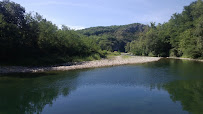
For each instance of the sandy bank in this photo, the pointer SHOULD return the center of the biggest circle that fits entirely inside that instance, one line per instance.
(118, 60)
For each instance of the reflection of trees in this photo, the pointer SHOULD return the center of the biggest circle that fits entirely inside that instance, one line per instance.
(31, 95)
(176, 67)
(188, 90)
(189, 93)
(18, 95)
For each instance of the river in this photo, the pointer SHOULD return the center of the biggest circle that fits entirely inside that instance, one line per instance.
(167, 86)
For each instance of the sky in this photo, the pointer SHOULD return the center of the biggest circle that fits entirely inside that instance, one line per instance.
(79, 14)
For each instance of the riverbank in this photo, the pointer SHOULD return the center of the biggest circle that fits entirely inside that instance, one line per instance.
(185, 59)
(114, 61)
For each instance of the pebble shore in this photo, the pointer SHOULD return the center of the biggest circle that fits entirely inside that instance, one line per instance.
(115, 61)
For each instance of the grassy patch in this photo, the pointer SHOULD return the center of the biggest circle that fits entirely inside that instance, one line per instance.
(113, 54)
(126, 56)
(88, 58)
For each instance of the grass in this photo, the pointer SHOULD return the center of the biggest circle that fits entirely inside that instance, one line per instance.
(125, 56)
(113, 54)
(88, 58)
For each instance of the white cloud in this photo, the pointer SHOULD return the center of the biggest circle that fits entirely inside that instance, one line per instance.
(76, 27)
(73, 27)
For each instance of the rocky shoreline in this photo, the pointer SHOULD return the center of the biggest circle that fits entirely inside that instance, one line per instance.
(115, 61)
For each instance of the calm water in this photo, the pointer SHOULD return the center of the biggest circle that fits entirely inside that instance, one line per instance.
(167, 86)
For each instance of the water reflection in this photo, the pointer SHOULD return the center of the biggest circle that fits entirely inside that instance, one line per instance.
(189, 93)
(28, 95)
(167, 86)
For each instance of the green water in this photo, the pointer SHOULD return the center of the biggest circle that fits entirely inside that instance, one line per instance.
(164, 87)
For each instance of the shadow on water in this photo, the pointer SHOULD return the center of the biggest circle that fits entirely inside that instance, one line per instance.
(27, 75)
(179, 68)
(187, 86)
(189, 93)
(29, 93)
(179, 79)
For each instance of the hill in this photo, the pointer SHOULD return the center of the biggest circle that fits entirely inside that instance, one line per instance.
(114, 38)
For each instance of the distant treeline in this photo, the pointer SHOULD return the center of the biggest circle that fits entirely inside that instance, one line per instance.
(30, 37)
(182, 36)
(114, 38)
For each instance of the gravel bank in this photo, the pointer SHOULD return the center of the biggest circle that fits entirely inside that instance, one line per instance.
(118, 60)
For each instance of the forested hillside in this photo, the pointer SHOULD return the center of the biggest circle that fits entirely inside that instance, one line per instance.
(182, 36)
(26, 37)
(114, 38)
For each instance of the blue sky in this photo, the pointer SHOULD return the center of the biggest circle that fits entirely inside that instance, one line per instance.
(80, 14)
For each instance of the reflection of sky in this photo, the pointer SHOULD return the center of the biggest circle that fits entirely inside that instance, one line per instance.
(114, 99)
(87, 13)
(153, 88)
(156, 87)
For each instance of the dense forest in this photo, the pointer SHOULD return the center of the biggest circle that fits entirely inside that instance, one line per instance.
(114, 38)
(26, 37)
(182, 36)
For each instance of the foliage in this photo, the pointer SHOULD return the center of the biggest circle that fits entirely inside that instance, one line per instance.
(112, 54)
(26, 37)
(29, 38)
(181, 36)
(114, 38)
